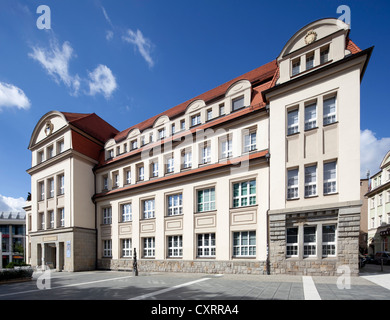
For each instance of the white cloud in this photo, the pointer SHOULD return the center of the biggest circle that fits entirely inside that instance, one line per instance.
(102, 81)
(56, 62)
(106, 16)
(11, 204)
(372, 152)
(109, 35)
(12, 96)
(143, 45)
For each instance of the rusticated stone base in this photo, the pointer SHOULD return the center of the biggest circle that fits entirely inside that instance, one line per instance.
(210, 267)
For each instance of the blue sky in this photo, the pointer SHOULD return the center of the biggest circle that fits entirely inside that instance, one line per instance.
(127, 60)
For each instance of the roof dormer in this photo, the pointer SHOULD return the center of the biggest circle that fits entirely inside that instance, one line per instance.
(315, 45)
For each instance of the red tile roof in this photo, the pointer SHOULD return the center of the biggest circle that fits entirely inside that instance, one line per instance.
(258, 75)
(92, 124)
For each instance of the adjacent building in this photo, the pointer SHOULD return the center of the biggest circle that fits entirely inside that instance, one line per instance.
(379, 209)
(13, 234)
(259, 175)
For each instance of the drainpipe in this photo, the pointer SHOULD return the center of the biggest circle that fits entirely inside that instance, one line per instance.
(269, 190)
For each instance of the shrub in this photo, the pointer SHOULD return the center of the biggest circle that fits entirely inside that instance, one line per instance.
(16, 273)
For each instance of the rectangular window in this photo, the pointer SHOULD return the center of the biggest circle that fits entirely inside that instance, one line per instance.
(161, 133)
(148, 209)
(61, 184)
(311, 116)
(205, 154)
(330, 176)
(151, 137)
(292, 122)
(105, 183)
(116, 180)
(41, 156)
(309, 61)
(221, 109)
(175, 246)
(51, 218)
(296, 67)
(309, 241)
(61, 214)
(107, 248)
(128, 176)
(41, 191)
(328, 240)
(60, 146)
(173, 129)
(330, 110)
(126, 212)
(244, 244)
(292, 242)
(311, 181)
(175, 204)
(238, 103)
(170, 166)
(107, 217)
(51, 188)
(141, 173)
(187, 159)
(206, 245)
(244, 194)
(42, 221)
(126, 248)
(110, 154)
(154, 168)
(182, 125)
(206, 200)
(50, 152)
(324, 55)
(195, 120)
(292, 184)
(149, 247)
(250, 142)
(226, 147)
(209, 114)
(133, 144)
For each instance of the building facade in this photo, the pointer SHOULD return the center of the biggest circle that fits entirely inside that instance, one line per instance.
(13, 234)
(379, 209)
(259, 175)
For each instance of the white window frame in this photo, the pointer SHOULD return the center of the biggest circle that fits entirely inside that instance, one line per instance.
(107, 215)
(141, 173)
(126, 214)
(175, 204)
(226, 144)
(310, 116)
(154, 167)
(187, 159)
(62, 217)
(330, 179)
(206, 247)
(310, 185)
(170, 164)
(310, 61)
(292, 122)
(205, 153)
(250, 141)
(195, 120)
(149, 247)
(309, 247)
(209, 194)
(127, 251)
(42, 190)
(329, 246)
(324, 54)
(161, 134)
(292, 247)
(295, 66)
(61, 184)
(51, 218)
(242, 249)
(293, 189)
(240, 101)
(244, 200)
(148, 209)
(331, 116)
(42, 221)
(175, 246)
(107, 248)
(51, 187)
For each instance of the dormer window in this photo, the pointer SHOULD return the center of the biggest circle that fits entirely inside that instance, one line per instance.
(238, 103)
(110, 154)
(161, 133)
(195, 120)
(296, 66)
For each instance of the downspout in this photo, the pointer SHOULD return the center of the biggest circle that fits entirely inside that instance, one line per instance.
(269, 190)
(96, 230)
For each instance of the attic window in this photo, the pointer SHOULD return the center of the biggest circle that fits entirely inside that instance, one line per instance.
(296, 66)
(324, 55)
(238, 103)
(310, 61)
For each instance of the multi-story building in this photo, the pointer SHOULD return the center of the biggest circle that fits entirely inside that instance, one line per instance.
(13, 233)
(379, 209)
(260, 174)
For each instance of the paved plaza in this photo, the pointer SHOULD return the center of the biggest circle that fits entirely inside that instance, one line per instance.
(372, 284)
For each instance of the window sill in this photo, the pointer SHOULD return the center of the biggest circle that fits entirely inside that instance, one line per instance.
(313, 196)
(311, 129)
(329, 124)
(292, 199)
(331, 194)
(209, 211)
(293, 134)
